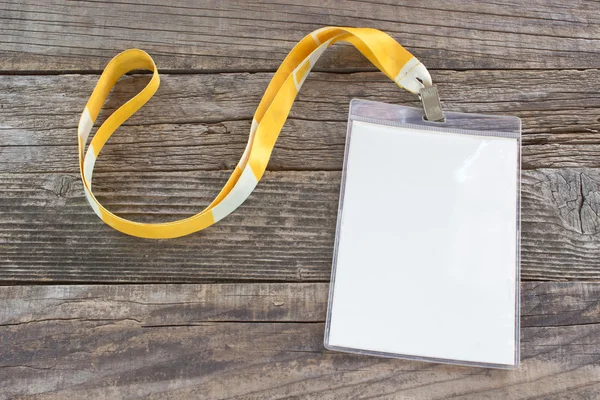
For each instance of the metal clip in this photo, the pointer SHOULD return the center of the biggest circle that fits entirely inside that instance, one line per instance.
(431, 104)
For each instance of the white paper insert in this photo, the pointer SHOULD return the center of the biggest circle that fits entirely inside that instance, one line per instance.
(427, 257)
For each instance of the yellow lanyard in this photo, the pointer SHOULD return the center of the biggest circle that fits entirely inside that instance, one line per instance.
(383, 51)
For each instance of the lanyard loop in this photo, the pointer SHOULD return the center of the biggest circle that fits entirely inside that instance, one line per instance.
(383, 51)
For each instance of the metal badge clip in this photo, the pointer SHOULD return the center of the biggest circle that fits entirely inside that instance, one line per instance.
(431, 104)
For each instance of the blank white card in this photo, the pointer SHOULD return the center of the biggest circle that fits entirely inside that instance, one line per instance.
(427, 257)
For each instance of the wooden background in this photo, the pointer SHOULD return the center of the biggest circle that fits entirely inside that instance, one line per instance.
(237, 310)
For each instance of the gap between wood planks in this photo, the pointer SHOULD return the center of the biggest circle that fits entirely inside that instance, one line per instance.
(338, 71)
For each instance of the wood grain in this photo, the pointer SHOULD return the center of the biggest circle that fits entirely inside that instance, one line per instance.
(58, 36)
(543, 304)
(283, 232)
(96, 342)
(199, 122)
(536, 59)
(179, 305)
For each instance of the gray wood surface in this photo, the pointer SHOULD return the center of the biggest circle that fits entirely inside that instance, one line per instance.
(264, 341)
(222, 35)
(257, 334)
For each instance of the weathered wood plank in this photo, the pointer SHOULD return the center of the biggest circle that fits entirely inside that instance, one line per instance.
(558, 303)
(202, 121)
(543, 304)
(176, 304)
(49, 210)
(285, 231)
(101, 342)
(229, 35)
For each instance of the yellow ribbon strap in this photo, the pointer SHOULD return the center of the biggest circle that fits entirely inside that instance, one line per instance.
(383, 51)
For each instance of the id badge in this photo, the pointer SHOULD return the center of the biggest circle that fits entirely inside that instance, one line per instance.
(426, 258)
(426, 262)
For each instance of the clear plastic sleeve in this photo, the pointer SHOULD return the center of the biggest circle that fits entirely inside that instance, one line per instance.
(426, 258)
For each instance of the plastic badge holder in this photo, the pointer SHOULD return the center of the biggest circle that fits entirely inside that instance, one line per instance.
(426, 259)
